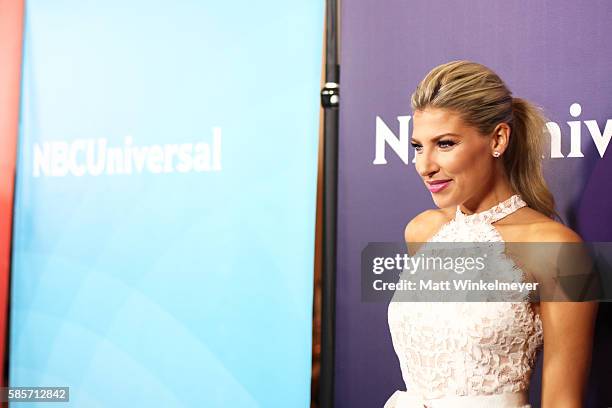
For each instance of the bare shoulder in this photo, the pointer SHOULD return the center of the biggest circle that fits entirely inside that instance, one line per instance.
(552, 231)
(426, 224)
(529, 225)
(536, 227)
(550, 251)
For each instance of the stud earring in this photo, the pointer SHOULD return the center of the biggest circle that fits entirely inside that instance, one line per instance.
(496, 154)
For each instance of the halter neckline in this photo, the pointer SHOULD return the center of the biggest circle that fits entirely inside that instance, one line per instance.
(493, 214)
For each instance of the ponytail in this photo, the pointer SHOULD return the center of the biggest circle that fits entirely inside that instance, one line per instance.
(523, 159)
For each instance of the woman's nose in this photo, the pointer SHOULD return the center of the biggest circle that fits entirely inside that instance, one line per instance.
(426, 165)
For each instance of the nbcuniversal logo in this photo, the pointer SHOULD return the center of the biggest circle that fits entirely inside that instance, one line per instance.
(400, 145)
(94, 157)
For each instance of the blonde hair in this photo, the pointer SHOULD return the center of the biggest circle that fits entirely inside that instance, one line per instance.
(482, 99)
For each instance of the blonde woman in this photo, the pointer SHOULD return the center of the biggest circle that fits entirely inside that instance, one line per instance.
(478, 151)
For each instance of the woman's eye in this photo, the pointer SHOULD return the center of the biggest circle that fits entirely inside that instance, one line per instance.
(446, 143)
(416, 146)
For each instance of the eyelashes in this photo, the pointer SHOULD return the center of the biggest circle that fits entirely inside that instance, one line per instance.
(446, 143)
(416, 146)
(442, 144)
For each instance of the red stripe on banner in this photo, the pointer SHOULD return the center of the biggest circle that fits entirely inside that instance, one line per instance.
(11, 32)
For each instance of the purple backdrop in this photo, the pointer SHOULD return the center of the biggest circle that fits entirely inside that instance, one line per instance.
(554, 53)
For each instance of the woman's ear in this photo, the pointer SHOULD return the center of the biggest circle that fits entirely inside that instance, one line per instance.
(500, 139)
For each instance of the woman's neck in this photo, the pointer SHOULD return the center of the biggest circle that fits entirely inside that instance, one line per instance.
(489, 197)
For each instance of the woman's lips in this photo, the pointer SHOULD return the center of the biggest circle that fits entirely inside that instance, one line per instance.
(438, 185)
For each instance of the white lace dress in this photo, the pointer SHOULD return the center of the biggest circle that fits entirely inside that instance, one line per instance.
(466, 354)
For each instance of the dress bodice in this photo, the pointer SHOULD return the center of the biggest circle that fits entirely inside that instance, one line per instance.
(466, 349)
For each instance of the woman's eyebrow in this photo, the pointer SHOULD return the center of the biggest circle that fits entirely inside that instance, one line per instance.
(436, 138)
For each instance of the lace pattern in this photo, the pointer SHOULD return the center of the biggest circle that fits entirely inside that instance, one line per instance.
(467, 348)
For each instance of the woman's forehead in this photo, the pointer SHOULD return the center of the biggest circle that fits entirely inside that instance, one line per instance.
(431, 122)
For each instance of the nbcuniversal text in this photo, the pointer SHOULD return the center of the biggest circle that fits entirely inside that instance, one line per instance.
(565, 141)
(96, 157)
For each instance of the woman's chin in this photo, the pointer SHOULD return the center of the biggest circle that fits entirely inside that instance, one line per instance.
(442, 201)
(439, 202)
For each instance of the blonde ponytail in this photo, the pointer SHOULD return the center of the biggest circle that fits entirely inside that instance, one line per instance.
(523, 159)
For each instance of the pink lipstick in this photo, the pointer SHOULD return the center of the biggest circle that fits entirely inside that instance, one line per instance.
(435, 186)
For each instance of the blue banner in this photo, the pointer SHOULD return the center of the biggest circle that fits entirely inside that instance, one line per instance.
(165, 202)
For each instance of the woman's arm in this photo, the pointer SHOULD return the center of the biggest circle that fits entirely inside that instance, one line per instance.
(568, 336)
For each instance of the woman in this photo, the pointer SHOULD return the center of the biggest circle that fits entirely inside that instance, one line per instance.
(478, 151)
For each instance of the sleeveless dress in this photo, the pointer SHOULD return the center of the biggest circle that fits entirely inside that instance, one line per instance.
(466, 354)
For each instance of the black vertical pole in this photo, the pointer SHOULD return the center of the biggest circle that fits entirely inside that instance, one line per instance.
(330, 100)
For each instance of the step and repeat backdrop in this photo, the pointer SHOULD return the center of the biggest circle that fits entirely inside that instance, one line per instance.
(165, 202)
(556, 54)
